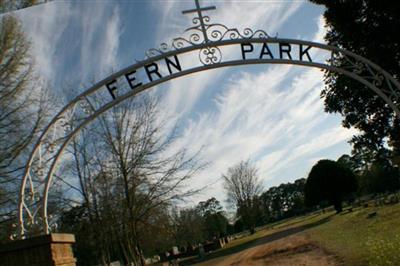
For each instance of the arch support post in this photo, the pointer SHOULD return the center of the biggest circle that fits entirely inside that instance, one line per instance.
(45, 250)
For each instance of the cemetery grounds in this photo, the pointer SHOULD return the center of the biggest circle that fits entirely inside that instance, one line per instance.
(350, 238)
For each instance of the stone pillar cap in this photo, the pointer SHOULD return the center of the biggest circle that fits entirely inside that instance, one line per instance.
(37, 241)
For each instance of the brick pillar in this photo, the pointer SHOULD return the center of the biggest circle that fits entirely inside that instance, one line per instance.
(46, 250)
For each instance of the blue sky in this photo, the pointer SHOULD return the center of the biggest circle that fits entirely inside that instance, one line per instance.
(271, 114)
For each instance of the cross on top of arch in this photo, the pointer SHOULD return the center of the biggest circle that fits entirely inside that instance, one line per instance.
(204, 32)
(199, 10)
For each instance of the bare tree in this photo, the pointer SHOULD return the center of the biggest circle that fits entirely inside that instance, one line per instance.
(23, 107)
(242, 186)
(11, 5)
(127, 172)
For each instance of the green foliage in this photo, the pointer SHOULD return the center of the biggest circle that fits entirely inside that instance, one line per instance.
(157, 233)
(238, 226)
(214, 218)
(381, 177)
(331, 181)
(351, 163)
(189, 227)
(283, 201)
(75, 221)
(368, 28)
(202, 222)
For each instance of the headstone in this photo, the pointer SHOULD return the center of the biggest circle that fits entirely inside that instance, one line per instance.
(175, 251)
(391, 199)
(156, 258)
(201, 251)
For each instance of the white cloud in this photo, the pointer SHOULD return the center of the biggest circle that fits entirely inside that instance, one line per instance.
(100, 36)
(44, 26)
(94, 42)
(183, 94)
(320, 34)
(109, 46)
(275, 117)
(272, 115)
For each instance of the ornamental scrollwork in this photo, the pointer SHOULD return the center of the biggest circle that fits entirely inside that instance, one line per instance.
(203, 32)
(210, 55)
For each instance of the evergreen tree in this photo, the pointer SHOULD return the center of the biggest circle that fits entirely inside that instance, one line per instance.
(368, 28)
(330, 181)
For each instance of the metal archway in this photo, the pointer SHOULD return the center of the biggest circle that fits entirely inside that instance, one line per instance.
(215, 46)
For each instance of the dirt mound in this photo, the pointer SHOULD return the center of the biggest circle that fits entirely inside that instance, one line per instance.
(289, 251)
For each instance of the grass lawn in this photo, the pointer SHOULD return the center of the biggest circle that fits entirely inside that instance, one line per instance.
(359, 240)
(353, 237)
(269, 232)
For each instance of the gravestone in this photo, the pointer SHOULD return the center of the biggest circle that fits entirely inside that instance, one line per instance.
(201, 251)
(175, 251)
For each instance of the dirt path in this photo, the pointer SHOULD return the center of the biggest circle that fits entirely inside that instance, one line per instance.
(288, 251)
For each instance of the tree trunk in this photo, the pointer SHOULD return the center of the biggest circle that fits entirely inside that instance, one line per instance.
(138, 254)
(338, 205)
(252, 230)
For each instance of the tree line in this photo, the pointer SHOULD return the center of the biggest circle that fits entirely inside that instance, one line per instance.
(328, 183)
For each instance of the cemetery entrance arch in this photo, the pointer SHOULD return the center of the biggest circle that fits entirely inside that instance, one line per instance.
(203, 46)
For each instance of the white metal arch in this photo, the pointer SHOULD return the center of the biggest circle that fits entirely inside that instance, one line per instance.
(208, 41)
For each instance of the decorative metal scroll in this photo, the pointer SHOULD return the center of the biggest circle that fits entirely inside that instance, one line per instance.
(208, 41)
(373, 74)
(204, 32)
